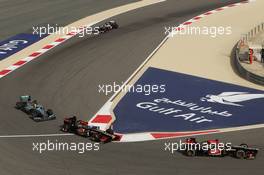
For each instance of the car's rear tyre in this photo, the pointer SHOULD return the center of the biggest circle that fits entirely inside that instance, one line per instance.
(19, 105)
(223, 153)
(49, 112)
(250, 155)
(65, 128)
(240, 154)
(34, 113)
(190, 153)
(96, 137)
(115, 26)
(110, 131)
(244, 145)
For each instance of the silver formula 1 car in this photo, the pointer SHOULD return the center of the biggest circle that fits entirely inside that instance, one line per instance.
(31, 107)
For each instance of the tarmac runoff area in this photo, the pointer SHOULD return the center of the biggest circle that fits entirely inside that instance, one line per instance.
(202, 56)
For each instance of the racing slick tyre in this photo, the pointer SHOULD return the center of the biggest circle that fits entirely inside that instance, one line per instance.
(65, 128)
(102, 29)
(115, 26)
(30, 111)
(96, 137)
(244, 145)
(19, 105)
(240, 154)
(223, 153)
(110, 131)
(190, 153)
(250, 155)
(49, 112)
(34, 113)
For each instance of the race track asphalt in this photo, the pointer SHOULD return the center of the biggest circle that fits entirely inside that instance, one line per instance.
(66, 79)
(19, 16)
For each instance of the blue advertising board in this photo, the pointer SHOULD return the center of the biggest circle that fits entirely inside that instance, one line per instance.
(188, 103)
(16, 43)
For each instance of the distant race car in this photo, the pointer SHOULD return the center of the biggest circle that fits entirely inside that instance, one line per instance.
(108, 26)
(240, 152)
(80, 127)
(37, 111)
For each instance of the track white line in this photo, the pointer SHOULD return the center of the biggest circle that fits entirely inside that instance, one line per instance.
(32, 136)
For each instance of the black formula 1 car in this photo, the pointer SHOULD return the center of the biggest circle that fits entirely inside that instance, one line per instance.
(81, 128)
(31, 107)
(193, 148)
(108, 26)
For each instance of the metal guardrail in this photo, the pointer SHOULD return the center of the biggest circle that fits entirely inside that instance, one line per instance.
(245, 73)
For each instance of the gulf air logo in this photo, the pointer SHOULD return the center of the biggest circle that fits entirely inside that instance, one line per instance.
(231, 98)
(11, 45)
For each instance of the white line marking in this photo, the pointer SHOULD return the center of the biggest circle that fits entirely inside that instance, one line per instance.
(139, 68)
(31, 136)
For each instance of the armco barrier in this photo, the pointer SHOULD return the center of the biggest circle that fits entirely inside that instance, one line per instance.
(245, 73)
